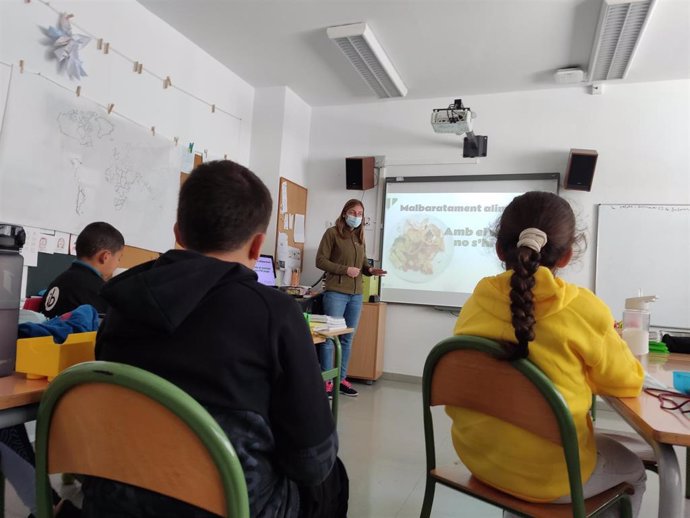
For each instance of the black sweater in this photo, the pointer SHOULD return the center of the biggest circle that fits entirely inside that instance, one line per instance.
(244, 351)
(77, 285)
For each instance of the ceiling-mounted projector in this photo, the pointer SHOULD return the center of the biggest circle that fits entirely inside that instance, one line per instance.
(458, 120)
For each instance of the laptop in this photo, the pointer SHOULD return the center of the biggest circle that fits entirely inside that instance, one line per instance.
(265, 269)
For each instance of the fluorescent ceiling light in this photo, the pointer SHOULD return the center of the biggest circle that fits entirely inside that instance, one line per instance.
(366, 54)
(621, 24)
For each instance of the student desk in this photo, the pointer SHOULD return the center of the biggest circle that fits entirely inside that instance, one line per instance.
(320, 337)
(662, 429)
(19, 399)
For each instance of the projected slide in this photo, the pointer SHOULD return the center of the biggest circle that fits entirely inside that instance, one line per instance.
(439, 243)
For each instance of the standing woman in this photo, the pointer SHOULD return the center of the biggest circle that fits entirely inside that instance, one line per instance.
(342, 255)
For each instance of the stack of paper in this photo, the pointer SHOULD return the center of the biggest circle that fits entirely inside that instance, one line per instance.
(327, 323)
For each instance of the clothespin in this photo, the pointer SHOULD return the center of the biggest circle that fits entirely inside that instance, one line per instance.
(140, 68)
(21, 66)
(110, 108)
(106, 47)
(167, 82)
(135, 67)
(78, 91)
(213, 108)
(153, 131)
(205, 153)
(191, 147)
(225, 156)
(99, 43)
(27, 1)
(177, 140)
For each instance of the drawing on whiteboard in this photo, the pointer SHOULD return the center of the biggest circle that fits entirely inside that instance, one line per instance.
(84, 126)
(92, 166)
(123, 176)
(75, 162)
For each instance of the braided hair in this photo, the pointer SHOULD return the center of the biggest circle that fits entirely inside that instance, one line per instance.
(553, 216)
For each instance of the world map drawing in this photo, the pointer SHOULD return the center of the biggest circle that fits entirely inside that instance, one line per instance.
(65, 162)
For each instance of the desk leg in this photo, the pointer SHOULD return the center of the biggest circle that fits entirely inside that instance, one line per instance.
(671, 490)
(336, 380)
(687, 472)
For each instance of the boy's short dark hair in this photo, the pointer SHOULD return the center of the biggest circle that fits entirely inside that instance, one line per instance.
(222, 204)
(98, 236)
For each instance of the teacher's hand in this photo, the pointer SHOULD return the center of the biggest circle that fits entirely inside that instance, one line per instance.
(377, 271)
(352, 272)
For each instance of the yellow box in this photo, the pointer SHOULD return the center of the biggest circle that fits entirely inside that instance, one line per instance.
(370, 286)
(41, 357)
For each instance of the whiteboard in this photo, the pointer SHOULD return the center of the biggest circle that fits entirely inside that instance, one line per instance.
(65, 162)
(645, 247)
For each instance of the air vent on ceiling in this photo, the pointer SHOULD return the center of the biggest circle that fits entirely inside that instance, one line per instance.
(621, 24)
(366, 54)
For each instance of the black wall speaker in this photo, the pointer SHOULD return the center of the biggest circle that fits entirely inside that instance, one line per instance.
(359, 172)
(580, 170)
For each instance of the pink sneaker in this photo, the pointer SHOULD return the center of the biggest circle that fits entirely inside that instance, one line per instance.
(329, 389)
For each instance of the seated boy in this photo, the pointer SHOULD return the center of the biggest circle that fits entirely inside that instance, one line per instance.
(199, 318)
(99, 248)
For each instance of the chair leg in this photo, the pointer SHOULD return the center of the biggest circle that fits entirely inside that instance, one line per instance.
(625, 507)
(2, 495)
(687, 472)
(428, 497)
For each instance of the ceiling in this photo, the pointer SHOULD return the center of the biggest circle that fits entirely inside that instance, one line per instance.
(446, 48)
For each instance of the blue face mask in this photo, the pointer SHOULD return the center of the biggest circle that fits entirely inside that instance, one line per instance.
(353, 221)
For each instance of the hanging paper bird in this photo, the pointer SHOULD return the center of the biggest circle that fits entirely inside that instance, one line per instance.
(66, 46)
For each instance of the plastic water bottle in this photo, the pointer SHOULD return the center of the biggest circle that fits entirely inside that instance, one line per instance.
(636, 319)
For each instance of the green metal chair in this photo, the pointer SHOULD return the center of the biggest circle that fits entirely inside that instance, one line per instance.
(123, 423)
(467, 371)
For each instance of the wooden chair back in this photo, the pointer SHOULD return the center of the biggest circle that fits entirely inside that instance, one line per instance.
(99, 424)
(471, 372)
(478, 381)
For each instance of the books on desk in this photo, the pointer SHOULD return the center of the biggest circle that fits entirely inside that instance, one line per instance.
(326, 323)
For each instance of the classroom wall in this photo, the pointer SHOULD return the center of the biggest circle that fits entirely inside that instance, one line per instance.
(641, 132)
(280, 143)
(142, 36)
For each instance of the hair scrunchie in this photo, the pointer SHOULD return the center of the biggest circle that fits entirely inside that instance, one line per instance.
(532, 238)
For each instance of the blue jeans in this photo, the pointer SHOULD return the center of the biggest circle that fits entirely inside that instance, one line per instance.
(337, 304)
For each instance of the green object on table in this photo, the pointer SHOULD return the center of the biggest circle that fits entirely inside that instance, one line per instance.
(658, 347)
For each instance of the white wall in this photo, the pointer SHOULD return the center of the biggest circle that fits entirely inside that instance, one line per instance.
(140, 35)
(280, 143)
(641, 132)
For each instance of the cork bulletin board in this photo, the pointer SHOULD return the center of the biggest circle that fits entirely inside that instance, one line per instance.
(292, 214)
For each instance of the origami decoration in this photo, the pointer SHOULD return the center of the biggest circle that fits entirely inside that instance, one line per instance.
(66, 46)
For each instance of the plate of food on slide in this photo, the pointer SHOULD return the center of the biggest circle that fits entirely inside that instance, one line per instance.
(421, 250)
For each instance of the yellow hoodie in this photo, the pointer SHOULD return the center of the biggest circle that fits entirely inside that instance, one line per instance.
(577, 347)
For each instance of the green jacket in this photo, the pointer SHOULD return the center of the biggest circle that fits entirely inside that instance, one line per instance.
(335, 255)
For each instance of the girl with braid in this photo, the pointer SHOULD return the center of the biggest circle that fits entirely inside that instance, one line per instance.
(568, 333)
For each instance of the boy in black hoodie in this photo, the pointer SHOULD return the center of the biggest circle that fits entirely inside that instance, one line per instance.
(199, 318)
(99, 248)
